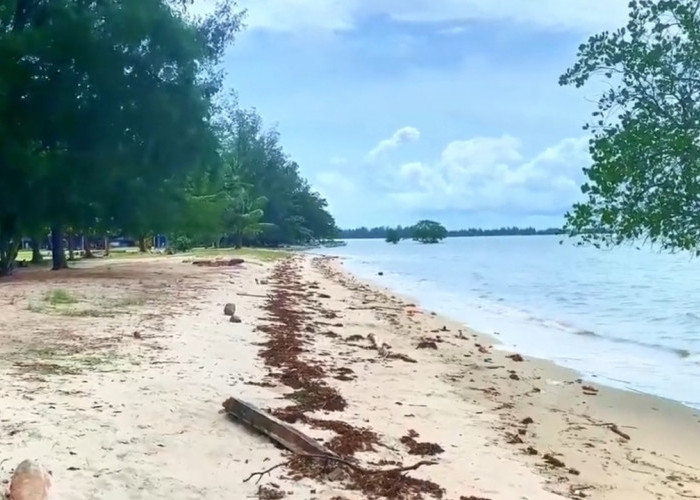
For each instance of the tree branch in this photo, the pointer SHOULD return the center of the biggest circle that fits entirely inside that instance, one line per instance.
(344, 462)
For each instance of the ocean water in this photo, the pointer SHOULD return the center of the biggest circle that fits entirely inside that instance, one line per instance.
(626, 317)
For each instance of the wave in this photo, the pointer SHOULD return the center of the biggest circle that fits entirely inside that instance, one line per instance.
(678, 351)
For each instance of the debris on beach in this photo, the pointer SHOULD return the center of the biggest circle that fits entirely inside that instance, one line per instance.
(270, 493)
(553, 461)
(589, 390)
(426, 344)
(420, 448)
(278, 431)
(290, 327)
(516, 357)
(218, 263)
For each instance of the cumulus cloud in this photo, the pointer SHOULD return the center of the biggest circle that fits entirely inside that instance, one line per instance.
(403, 135)
(486, 174)
(294, 15)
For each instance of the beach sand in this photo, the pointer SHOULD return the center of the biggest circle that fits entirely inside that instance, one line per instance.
(119, 393)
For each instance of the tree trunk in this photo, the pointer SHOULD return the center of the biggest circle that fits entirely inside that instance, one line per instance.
(8, 254)
(106, 246)
(71, 248)
(87, 250)
(58, 257)
(239, 239)
(142, 244)
(37, 258)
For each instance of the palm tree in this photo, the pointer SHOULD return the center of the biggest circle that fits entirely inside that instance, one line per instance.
(244, 215)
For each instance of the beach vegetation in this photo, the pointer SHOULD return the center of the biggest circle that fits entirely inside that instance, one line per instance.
(393, 236)
(643, 182)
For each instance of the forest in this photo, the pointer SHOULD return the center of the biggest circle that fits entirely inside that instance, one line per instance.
(115, 121)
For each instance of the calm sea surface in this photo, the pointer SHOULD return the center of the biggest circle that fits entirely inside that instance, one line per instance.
(626, 317)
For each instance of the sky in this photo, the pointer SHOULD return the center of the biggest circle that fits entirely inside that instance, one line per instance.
(398, 110)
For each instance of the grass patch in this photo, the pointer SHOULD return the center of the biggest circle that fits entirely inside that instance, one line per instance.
(47, 361)
(35, 308)
(60, 296)
(261, 254)
(59, 302)
(85, 313)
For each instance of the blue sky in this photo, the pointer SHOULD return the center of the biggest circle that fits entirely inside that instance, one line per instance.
(403, 109)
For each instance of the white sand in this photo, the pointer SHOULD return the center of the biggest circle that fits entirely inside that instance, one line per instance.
(117, 417)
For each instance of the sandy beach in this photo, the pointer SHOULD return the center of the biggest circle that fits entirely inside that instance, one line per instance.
(113, 376)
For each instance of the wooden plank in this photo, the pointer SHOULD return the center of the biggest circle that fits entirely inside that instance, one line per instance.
(274, 428)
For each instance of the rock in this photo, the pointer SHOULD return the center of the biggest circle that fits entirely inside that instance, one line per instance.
(230, 309)
(235, 319)
(30, 481)
(380, 273)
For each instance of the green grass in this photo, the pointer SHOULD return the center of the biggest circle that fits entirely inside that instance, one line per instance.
(58, 302)
(60, 296)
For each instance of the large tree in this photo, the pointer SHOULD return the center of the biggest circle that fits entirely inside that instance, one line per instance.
(429, 231)
(644, 180)
(105, 109)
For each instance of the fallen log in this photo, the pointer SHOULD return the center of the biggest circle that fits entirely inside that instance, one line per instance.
(274, 428)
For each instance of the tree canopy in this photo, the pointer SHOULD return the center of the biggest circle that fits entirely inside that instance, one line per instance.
(428, 231)
(114, 121)
(644, 180)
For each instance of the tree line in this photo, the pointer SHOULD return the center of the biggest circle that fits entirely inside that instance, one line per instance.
(114, 121)
(407, 232)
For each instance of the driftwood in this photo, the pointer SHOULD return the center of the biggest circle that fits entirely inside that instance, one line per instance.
(277, 430)
(295, 441)
(257, 296)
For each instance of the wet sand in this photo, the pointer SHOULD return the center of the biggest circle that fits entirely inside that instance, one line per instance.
(121, 398)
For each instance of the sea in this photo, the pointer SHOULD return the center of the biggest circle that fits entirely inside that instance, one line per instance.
(626, 317)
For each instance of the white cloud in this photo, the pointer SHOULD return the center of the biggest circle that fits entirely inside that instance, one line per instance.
(338, 161)
(486, 174)
(335, 182)
(295, 15)
(403, 135)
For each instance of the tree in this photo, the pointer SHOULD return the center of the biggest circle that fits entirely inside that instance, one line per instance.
(644, 180)
(428, 231)
(393, 236)
(244, 216)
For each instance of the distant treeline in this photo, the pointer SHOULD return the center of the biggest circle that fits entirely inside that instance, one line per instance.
(406, 232)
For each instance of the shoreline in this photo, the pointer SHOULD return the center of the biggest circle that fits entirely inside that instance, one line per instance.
(500, 345)
(568, 360)
(367, 374)
(651, 422)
